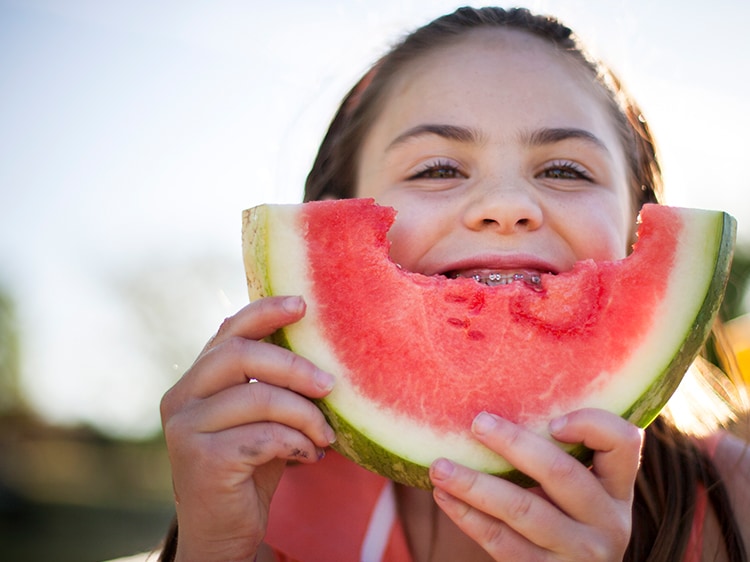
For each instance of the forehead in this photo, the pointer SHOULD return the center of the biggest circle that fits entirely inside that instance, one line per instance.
(493, 67)
(504, 47)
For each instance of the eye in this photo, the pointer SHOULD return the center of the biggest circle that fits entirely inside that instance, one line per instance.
(565, 170)
(438, 170)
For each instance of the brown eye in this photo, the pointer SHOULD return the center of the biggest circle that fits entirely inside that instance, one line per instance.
(562, 174)
(438, 171)
(566, 171)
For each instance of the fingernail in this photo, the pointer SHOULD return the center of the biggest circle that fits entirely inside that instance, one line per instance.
(293, 305)
(321, 454)
(442, 469)
(556, 424)
(323, 380)
(330, 435)
(483, 423)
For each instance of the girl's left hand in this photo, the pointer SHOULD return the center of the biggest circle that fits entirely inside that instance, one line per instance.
(577, 513)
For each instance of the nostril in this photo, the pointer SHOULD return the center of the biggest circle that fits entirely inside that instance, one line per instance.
(503, 210)
(493, 222)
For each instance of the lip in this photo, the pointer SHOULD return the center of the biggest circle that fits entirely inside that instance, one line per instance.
(487, 264)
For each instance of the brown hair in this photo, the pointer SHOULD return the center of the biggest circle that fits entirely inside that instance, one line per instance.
(672, 466)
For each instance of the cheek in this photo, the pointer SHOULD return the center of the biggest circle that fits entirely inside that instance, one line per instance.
(605, 239)
(418, 228)
(594, 228)
(407, 238)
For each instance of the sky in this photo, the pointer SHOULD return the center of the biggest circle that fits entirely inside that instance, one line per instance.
(133, 134)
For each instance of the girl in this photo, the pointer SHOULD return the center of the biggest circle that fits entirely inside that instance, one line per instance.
(504, 147)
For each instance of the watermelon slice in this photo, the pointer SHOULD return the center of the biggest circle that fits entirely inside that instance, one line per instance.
(417, 357)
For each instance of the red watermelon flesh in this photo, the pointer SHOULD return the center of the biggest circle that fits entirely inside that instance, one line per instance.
(418, 357)
(469, 326)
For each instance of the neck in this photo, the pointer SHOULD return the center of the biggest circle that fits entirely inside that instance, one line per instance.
(431, 534)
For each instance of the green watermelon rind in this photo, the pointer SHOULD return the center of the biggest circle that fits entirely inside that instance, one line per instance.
(369, 454)
(645, 410)
(356, 446)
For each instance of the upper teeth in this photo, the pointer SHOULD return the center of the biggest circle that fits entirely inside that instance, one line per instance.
(493, 279)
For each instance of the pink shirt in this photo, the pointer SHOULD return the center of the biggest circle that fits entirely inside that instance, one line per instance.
(334, 510)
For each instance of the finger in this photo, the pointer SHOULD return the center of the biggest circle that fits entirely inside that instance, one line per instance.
(616, 443)
(238, 360)
(228, 458)
(260, 443)
(493, 535)
(568, 483)
(526, 516)
(260, 319)
(259, 402)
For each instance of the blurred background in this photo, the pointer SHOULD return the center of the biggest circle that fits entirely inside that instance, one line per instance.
(133, 134)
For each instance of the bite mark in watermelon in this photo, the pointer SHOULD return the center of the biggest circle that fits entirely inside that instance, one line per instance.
(417, 357)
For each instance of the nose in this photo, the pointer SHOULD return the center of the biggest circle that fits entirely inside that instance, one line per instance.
(505, 207)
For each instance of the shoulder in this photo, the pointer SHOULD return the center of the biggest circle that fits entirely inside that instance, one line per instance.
(731, 457)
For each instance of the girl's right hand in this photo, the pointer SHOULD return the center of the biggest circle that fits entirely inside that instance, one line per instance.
(576, 513)
(231, 423)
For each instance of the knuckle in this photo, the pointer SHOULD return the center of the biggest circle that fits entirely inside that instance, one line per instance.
(467, 480)
(608, 544)
(623, 526)
(259, 443)
(634, 438)
(596, 550)
(495, 535)
(275, 441)
(236, 350)
(520, 506)
(172, 402)
(167, 406)
(225, 327)
(564, 468)
(461, 513)
(291, 361)
(515, 436)
(294, 363)
(175, 429)
(259, 397)
(234, 345)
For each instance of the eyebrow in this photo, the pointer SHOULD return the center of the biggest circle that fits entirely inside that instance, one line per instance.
(449, 132)
(537, 137)
(540, 137)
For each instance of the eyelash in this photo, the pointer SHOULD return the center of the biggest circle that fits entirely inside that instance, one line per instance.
(437, 166)
(567, 167)
(570, 171)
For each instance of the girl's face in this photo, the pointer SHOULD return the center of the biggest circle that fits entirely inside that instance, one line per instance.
(500, 157)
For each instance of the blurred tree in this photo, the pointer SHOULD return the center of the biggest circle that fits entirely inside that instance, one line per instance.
(11, 400)
(735, 299)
